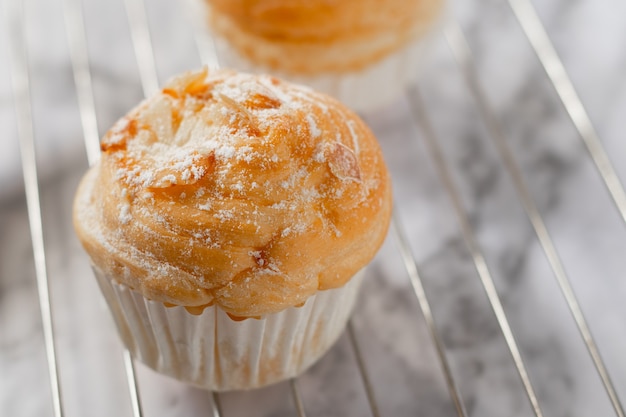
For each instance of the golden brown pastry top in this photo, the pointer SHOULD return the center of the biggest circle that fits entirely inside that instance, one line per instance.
(235, 189)
(315, 36)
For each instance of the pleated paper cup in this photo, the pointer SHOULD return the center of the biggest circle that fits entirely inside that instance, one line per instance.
(213, 351)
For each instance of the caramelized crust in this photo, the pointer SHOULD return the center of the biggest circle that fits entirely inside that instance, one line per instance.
(315, 36)
(238, 190)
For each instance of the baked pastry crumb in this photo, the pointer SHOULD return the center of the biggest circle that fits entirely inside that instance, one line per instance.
(235, 190)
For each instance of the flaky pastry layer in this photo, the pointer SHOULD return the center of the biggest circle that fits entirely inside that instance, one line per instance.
(234, 189)
(321, 36)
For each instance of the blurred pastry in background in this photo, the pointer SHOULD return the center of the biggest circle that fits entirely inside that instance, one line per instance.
(363, 52)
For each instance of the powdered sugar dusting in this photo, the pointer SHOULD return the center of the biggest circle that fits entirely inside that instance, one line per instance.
(315, 131)
(220, 172)
(355, 137)
(124, 210)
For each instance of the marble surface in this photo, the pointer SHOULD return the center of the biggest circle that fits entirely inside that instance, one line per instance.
(399, 354)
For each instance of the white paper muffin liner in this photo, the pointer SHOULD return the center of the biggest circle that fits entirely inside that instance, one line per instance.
(215, 352)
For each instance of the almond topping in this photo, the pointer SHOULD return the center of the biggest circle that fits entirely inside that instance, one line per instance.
(342, 162)
(245, 117)
(116, 138)
(261, 101)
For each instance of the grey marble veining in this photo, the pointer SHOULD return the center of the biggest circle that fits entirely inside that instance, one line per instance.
(589, 235)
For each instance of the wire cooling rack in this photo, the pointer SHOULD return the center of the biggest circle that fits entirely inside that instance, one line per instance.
(455, 38)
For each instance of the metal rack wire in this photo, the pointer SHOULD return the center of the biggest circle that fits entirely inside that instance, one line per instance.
(140, 34)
